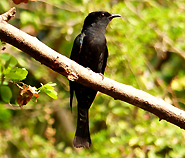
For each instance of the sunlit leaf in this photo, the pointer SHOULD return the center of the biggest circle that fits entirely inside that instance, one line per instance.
(49, 89)
(17, 74)
(51, 93)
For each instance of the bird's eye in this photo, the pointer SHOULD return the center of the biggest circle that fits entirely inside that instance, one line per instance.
(102, 14)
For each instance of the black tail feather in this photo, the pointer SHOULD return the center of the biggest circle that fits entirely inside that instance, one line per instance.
(79, 142)
(82, 136)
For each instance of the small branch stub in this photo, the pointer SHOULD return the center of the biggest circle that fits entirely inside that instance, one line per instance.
(8, 15)
(71, 75)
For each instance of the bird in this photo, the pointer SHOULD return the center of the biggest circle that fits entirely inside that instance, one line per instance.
(89, 50)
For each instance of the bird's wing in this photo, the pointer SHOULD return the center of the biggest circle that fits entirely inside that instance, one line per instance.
(105, 60)
(75, 53)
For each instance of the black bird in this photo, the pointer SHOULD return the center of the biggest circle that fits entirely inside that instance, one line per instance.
(89, 50)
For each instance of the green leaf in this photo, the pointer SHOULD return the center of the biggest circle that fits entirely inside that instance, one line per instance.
(50, 85)
(5, 56)
(49, 89)
(17, 74)
(6, 93)
(13, 61)
(52, 93)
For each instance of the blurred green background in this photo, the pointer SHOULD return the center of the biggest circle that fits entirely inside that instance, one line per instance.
(146, 50)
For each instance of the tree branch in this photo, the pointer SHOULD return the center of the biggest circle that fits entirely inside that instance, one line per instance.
(74, 72)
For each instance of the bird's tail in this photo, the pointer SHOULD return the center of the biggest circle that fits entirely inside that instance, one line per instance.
(82, 136)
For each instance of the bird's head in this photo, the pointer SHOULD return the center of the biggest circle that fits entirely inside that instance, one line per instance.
(101, 18)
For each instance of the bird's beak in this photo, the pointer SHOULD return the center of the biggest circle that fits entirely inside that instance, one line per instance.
(114, 16)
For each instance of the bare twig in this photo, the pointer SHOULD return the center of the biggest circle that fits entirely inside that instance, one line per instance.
(75, 72)
(8, 15)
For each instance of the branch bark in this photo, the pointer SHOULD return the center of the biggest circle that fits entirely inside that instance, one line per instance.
(74, 72)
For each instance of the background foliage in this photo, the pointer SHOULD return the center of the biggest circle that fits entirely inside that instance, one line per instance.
(146, 50)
